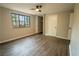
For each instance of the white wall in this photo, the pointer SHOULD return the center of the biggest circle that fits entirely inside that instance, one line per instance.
(0, 24)
(10, 33)
(36, 24)
(74, 44)
(44, 24)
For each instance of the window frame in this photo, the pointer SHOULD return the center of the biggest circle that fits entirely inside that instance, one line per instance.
(19, 26)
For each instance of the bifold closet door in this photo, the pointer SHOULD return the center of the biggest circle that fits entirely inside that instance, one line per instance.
(70, 25)
(63, 25)
(50, 24)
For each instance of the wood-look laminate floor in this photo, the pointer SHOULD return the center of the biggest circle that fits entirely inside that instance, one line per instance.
(36, 45)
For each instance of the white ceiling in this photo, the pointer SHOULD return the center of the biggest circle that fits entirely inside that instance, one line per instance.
(46, 9)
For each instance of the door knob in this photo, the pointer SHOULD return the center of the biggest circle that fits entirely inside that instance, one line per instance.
(55, 27)
(70, 28)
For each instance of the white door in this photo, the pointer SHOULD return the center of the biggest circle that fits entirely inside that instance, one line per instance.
(70, 26)
(51, 21)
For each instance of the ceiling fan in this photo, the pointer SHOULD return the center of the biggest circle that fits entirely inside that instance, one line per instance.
(37, 8)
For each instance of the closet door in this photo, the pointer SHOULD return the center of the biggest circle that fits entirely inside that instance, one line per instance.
(63, 25)
(51, 24)
(70, 25)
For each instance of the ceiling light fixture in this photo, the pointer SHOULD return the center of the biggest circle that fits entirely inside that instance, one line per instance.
(37, 9)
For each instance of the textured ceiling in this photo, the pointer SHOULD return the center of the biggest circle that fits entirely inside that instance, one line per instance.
(46, 9)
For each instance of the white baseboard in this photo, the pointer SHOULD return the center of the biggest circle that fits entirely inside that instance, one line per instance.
(70, 50)
(11, 39)
(15, 38)
(28, 35)
(58, 36)
(62, 37)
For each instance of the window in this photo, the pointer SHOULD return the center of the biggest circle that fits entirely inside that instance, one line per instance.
(20, 21)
